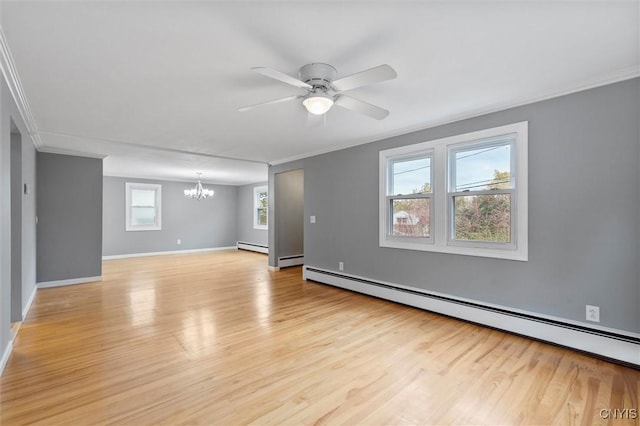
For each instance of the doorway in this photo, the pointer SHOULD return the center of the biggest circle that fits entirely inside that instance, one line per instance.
(289, 218)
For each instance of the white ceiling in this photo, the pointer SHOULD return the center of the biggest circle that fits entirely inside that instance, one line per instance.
(155, 86)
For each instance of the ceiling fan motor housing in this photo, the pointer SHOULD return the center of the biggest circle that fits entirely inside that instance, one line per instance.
(318, 75)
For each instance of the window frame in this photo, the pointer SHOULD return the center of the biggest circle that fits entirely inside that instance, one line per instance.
(388, 210)
(441, 209)
(451, 193)
(257, 190)
(157, 188)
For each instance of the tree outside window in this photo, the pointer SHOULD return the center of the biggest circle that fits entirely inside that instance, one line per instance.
(260, 207)
(464, 194)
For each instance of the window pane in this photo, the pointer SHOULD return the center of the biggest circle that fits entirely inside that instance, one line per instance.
(141, 216)
(262, 216)
(263, 199)
(483, 218)
(143, 197)
(482, 168)
(411, 217)
(412, 176)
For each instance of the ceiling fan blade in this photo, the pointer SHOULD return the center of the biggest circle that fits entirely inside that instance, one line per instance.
(362, 107)
(269, 72)
(275, 101)
(364, 78)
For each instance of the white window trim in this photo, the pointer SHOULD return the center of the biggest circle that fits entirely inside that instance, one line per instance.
(387, 211)
(257, 190)
(440, 184)
(452, 148)
(158, 189)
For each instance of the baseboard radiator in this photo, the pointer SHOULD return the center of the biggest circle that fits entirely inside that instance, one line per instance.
(241, 245)
(614, 345)
(294, 260)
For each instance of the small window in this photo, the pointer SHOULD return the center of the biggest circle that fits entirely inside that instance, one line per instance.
(143, 206)
(260, 207)
(409, 197)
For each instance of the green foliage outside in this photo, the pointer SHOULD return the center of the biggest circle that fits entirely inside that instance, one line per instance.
(485, 217)
(477, 217)
(407, 204)
(263, 200)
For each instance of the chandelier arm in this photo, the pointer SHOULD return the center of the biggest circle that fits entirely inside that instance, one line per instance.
(198, 192)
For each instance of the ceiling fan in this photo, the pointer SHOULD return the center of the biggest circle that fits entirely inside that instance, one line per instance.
(324, 91)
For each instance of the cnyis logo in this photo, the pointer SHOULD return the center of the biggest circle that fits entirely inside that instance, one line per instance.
(619, 413)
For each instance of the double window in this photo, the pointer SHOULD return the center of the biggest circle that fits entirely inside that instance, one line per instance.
(143, 206)
(260, 207)
(465, 194)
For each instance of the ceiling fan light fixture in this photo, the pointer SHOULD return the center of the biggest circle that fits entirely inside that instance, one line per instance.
(317, 103)
(323, 90)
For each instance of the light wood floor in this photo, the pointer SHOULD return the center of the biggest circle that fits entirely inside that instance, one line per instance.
(215, 338)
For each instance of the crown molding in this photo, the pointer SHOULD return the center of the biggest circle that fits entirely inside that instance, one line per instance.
(62, 151)
(610, 78)
(10, 73)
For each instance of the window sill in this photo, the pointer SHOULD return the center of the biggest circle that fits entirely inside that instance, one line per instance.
(509, 254)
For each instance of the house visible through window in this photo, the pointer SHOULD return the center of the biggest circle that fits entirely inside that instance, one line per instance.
(260, 207)
(465, 194)
(143, 206)
(409, 196)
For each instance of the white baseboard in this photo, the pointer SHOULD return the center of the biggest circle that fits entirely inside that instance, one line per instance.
(614, 344)
(241, 245)
(273, 268)
(25, 311)
(5, 356)
(27, 306)
(294, 260)
(163, 253)
(72, 281)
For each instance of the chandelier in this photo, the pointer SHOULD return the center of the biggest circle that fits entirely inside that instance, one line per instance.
(198, 193)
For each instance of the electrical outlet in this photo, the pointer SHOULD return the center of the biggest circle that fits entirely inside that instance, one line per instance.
(341, 266)
(179, 242)
(312, 219)
(593, 313)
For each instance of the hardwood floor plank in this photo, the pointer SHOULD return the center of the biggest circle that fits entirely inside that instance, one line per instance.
(216, 338)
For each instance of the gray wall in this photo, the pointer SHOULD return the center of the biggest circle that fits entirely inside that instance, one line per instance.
(5, 219)
(289, 212)
(16, 226)
(246, 231)
(69, 206)
(28, 219)
(584, 227)
(11, 122)
(23, 220)
(200, 224)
